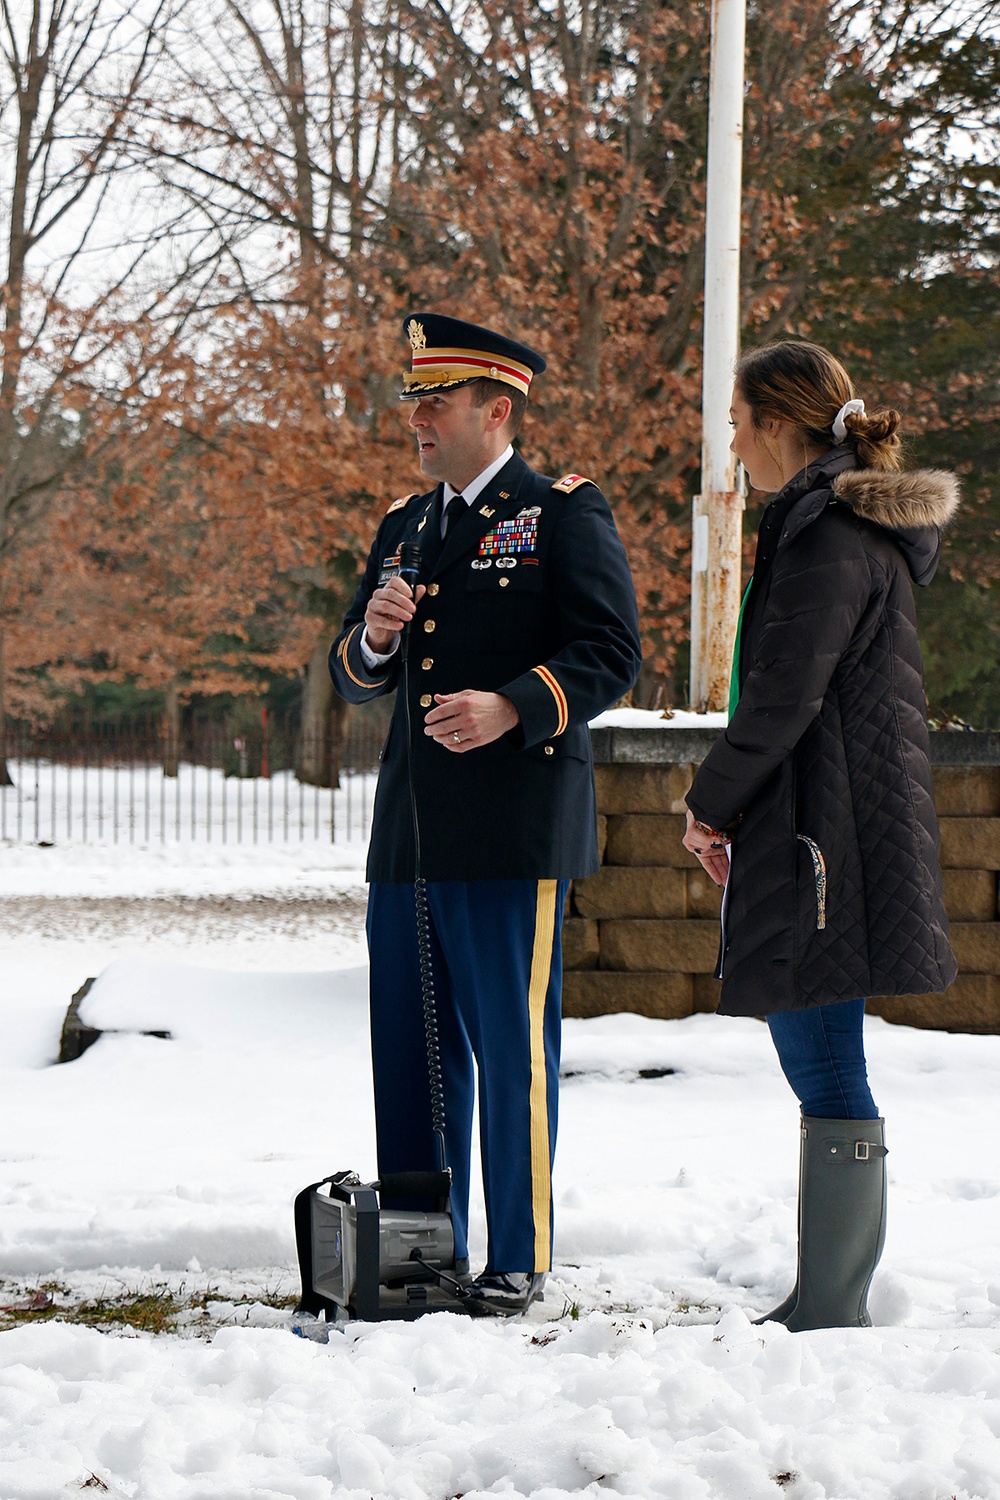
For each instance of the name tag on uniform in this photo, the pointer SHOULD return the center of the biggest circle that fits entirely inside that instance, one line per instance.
(389, 568)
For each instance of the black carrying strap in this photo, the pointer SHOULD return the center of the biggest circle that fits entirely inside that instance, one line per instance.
(310, 1300)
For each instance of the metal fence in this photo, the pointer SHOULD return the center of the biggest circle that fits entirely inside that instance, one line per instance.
(109, 783)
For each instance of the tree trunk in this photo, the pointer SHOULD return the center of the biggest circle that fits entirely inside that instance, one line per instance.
(172, 729)
(315, 763)
(340, 718)
(5, 777)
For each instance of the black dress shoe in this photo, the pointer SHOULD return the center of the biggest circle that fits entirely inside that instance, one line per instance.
(498, 1294)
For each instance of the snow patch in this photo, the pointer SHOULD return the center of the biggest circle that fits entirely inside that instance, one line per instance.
(150, 1164)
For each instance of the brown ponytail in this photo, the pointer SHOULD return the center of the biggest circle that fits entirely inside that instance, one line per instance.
(804, 384)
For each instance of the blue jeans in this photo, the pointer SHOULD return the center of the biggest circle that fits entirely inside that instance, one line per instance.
(822, 1054)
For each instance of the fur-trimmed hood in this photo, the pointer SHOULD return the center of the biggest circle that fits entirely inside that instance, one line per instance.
(914, 507)
(925, 497)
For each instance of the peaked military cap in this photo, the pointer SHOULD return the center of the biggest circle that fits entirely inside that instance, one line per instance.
(448, 353)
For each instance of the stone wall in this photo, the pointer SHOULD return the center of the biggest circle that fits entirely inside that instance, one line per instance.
(642, 934)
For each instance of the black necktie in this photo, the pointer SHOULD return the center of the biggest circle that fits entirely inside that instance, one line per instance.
(455, 508)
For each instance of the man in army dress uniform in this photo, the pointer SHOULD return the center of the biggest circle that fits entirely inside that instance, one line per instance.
(523, 626)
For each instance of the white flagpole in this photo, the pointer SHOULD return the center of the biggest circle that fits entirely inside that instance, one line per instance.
(717, 519)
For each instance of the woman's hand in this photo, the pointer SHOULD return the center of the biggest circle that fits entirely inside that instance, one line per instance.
(708, 847)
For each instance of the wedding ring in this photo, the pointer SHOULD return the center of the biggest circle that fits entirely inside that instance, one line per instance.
(457, 737)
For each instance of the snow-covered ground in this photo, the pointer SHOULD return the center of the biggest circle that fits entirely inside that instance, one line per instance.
(171, 1165)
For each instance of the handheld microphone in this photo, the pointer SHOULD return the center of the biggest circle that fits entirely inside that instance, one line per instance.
(409, 563)
(409, 572)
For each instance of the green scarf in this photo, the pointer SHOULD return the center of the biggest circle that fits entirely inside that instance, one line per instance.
(734, 680)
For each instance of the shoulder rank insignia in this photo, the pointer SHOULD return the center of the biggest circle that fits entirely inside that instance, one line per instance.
(570, 482)
(398, 504)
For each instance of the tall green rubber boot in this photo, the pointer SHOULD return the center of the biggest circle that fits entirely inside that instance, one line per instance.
(842, 1203)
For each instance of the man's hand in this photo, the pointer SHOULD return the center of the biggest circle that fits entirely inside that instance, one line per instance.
(464, 721)
(708, 848)
(389, 609)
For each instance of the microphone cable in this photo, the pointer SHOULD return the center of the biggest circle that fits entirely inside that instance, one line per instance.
(409, 571)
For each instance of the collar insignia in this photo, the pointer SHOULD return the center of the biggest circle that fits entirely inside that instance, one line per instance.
(484, 510)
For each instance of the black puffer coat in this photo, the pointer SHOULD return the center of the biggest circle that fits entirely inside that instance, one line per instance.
(835, 886)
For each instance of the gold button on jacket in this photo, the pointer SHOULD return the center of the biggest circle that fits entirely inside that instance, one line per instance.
(430, 626)
(427, 663)
(426, 700)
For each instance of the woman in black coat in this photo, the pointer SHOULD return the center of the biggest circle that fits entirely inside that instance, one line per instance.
(815, 808)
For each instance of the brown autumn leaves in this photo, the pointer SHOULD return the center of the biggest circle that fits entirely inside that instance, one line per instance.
(198, 453)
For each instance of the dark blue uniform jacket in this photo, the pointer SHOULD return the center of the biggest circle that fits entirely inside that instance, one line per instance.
(529, 596)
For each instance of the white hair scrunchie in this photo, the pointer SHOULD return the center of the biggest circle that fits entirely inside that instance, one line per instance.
(839, 425)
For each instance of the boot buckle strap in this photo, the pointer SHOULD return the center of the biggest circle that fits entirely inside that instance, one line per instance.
(855, 1150)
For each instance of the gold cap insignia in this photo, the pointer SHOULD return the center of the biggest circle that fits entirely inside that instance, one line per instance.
(416, 335)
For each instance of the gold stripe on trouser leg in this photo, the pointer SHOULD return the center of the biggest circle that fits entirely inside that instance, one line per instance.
(538, 1101)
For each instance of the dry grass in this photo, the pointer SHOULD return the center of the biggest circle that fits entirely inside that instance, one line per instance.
(156, 1309)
